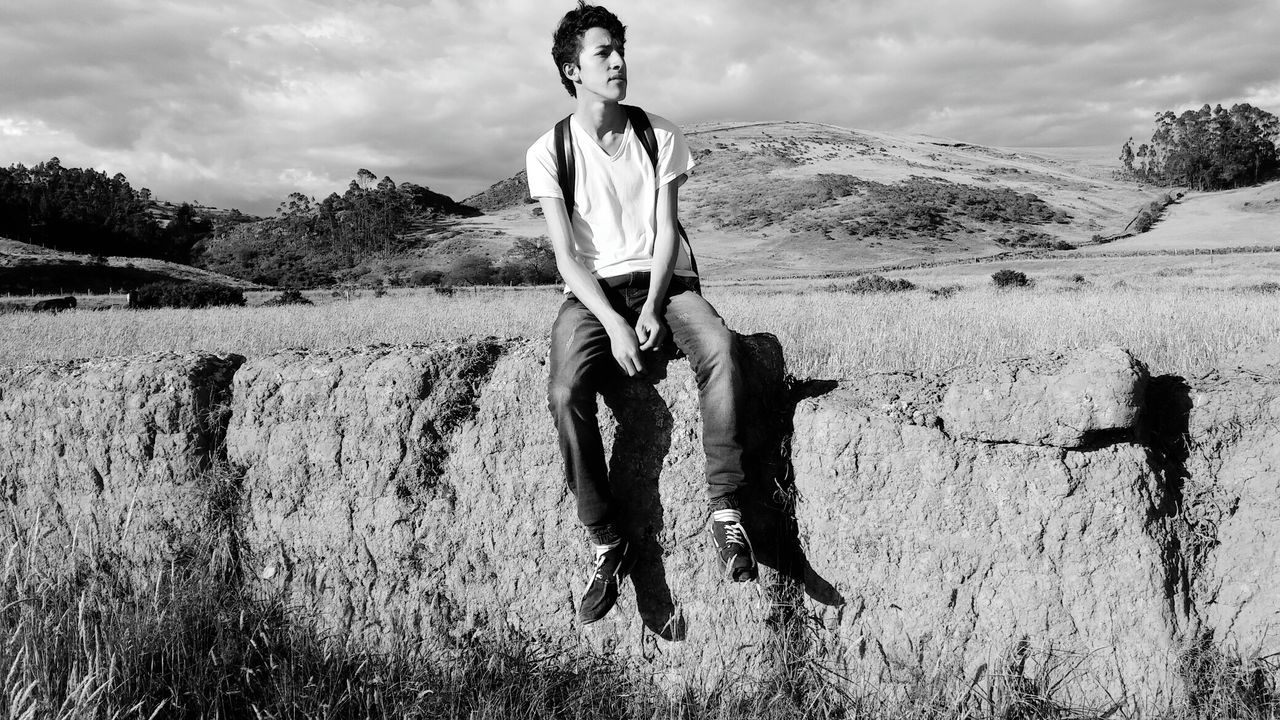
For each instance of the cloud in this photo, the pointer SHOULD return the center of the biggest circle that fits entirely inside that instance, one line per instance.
(239, 103)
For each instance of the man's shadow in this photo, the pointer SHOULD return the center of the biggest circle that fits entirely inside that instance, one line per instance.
(642, 440)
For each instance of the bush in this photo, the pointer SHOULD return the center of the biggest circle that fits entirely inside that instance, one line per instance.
(187, 295)
(423, 278)
(469, 269)
(1010, 278)
(944, 292)
(874, 284)
(1266, 288)
(289, 297)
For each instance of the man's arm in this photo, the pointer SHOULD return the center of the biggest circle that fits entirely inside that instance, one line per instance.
(650, 329)
(584, 286)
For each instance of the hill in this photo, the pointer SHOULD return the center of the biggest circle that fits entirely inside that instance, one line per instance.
(28, 269)
(786, 198)
(765, 200)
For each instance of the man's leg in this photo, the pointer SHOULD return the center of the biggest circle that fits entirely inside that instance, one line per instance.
(713, 352)
(580, 363)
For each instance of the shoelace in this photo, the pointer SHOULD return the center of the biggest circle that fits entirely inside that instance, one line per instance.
(734, 534)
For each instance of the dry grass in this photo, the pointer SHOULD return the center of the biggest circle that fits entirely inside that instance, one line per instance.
(196, 645)
(1180, 330)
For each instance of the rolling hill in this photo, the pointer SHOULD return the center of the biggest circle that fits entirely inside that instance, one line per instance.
(789, 198)
(26, 269)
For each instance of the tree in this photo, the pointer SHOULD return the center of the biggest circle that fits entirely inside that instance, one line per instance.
(1207, 149)
(530, 261)
(469, 269)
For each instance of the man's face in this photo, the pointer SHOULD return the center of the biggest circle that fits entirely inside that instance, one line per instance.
(601, 70)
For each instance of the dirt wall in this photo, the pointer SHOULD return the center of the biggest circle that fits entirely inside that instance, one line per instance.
(1063, 517)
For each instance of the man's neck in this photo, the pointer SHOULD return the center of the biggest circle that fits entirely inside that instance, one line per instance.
(600, 118)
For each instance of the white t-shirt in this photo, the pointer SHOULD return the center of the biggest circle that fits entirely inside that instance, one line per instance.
(615, 197)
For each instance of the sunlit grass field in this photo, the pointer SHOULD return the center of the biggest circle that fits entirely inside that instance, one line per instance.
(196, 645)
(824, 333)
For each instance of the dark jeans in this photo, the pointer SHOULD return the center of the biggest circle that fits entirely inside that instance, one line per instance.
(582, 365)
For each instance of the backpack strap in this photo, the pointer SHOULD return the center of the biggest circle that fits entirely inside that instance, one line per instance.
(564, 163)
(644, 132)
(643, 129)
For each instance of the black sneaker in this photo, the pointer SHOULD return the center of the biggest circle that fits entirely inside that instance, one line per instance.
(735, 548)
(602, 590)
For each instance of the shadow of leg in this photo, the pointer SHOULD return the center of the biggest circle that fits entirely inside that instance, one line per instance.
(640, 446)
(770, 498)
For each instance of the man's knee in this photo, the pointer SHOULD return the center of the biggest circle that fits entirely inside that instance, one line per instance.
(717, 346)
(564, 394)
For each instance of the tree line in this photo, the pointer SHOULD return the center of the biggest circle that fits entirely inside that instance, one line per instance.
(313, 243)
(1207, 149)
(84, 211)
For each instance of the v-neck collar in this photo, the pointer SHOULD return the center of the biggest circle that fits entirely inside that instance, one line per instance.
(590, 139)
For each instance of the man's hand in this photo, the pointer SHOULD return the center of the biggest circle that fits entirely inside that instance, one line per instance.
(649, 329)
(625, 348)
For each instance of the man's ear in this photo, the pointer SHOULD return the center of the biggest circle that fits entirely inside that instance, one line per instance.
(571, 71)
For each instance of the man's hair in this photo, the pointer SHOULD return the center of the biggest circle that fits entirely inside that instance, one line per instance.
(566, 42)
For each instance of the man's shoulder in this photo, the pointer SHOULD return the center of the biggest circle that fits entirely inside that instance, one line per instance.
(661, 124)
(545, 141)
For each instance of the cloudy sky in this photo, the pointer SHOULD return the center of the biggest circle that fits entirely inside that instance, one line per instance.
(237, 103)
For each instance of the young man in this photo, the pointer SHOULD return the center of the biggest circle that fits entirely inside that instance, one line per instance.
(629, 280)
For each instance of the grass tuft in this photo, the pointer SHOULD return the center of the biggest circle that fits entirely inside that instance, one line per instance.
(867, 284)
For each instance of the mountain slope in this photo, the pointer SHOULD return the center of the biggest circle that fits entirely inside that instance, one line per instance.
(28, 268)
(779, 198)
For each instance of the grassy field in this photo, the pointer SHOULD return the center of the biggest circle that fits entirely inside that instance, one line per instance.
(195, 645)
(1169, 322)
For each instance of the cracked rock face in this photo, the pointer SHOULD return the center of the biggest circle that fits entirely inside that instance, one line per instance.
(1065, 401)
(102, 460)
(1233, 480)
(960, 558)
(348, 516)
(1063, 517)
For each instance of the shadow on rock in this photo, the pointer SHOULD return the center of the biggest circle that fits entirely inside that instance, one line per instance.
(641, 443)
(771, 495)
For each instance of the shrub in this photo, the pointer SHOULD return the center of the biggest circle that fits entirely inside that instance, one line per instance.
(1010, 278)
(867, 284)
(944, 292)
(289, 297)
(187, 295)
(469, 269)
(423, 278)
(1266, 288)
